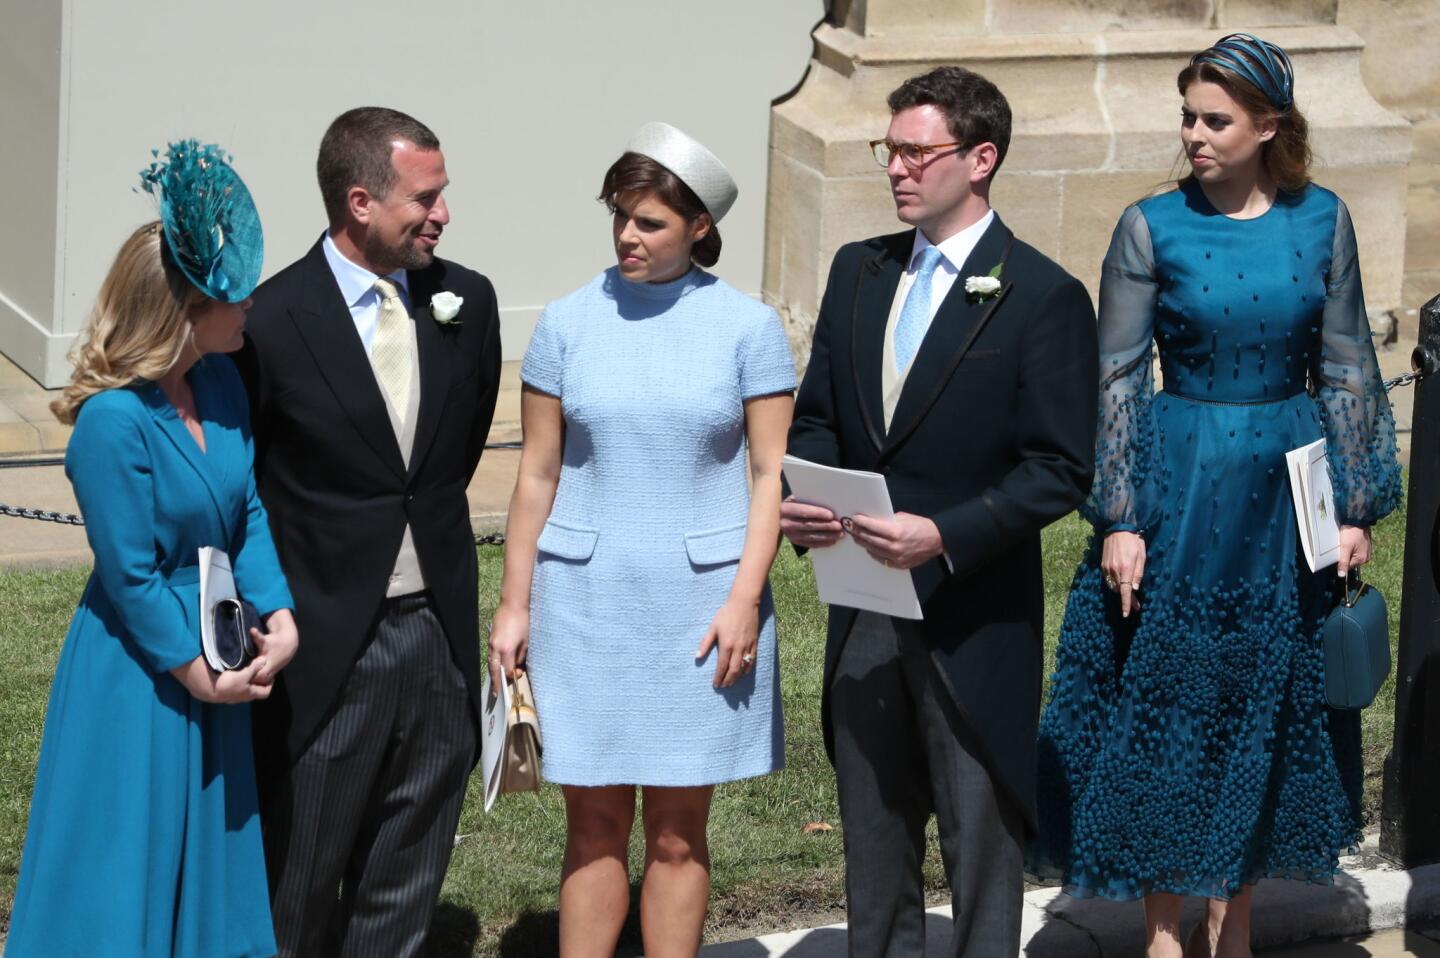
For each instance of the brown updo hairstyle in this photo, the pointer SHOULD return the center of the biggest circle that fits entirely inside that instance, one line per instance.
(139, 327)
(1286, 156)
(637, 173)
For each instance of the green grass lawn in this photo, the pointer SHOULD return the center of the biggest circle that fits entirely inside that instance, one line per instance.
(499, 897)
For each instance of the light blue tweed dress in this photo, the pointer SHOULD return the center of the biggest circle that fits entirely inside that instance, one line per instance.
(643, 541)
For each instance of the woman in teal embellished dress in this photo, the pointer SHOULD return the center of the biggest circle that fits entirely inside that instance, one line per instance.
(1187, 749)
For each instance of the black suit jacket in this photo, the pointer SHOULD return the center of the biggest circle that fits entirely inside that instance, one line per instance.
(335, 484)
(992, 438)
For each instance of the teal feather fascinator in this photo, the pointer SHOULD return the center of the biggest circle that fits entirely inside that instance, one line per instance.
(212, 229)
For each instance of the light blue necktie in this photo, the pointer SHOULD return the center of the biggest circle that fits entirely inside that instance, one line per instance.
(915, 314)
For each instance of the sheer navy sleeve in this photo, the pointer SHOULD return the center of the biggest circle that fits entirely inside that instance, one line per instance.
(1359, 427)
(1124, 497)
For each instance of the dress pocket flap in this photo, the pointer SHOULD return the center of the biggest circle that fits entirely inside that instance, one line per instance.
(567, 542)
(716, 546)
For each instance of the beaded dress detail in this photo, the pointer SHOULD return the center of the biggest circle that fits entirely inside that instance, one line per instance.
(1188, 749)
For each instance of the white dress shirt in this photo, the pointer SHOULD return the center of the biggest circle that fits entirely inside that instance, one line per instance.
(357, 287)
(954, 251)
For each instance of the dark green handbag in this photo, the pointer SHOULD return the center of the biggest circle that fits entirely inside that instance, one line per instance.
(1356, 640)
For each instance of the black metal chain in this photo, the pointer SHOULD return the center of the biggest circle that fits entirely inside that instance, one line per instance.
(70, 519)
(44, 515)
(1405, 380)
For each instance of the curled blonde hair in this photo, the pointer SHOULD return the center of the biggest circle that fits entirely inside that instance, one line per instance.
(139, 327)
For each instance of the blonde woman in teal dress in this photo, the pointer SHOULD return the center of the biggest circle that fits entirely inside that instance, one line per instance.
(1187, 749)
(144, 834)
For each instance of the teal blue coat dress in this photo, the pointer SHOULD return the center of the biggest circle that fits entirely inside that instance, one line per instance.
(144, 838)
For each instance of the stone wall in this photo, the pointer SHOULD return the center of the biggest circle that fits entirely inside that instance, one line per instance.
(1401, 67)
(1092, 88)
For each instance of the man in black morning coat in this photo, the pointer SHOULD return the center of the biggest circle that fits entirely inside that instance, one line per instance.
(979, 409)
(372, 368)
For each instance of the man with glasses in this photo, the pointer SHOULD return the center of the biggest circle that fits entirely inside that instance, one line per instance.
(961, 364)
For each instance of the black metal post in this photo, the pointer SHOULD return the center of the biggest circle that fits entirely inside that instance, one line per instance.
(1410, 807)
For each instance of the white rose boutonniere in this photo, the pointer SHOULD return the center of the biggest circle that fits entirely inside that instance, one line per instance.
(981, 288)
(445, 307)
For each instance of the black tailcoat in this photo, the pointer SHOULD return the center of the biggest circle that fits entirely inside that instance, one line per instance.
(332, 476)
(992, 438)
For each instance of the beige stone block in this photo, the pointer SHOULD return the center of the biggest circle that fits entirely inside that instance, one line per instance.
(1421, 286)
(17, 438)
(1422, 238)
(1142, 108)
(32, 404)
(1029, 203)
(1400, 65)
(1090, 205)
(54, 436)
(1348, 126)
(1066, 16)
(796, 233)
(855, 208)
(1376, 199)
(910, 17)
(1425, 141)
(12, 377)
(1250, 15)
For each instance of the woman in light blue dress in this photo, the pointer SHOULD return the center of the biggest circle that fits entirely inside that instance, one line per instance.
(1187, 748)
(635, 587)
(144, 834)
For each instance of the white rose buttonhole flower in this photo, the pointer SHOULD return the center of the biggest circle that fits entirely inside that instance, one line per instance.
(445, 307)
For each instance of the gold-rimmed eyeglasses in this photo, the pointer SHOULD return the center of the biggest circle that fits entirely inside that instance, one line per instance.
(913, 155)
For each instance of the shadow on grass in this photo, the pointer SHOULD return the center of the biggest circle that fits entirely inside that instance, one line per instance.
(536, 934)
(454, 932)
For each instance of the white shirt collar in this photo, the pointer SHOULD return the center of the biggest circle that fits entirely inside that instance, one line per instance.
(955, 249)
(355, 280)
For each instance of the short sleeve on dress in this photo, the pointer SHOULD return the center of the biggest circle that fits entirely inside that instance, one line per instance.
(544, 365)
(766, 364)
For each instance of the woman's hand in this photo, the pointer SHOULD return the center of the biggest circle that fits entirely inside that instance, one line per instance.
(1354, 548)
(277, 646)
(509, 640)
(1123, 562)
(736, 630)
(223, 688)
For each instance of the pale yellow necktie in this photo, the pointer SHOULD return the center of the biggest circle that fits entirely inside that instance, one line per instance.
(394, 343)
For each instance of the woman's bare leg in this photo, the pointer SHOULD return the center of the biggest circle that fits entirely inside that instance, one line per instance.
(594, 881)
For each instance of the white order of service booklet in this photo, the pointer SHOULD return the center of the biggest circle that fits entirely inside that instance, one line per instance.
(1314, 504)
(845, 573)
(217, 584)
(494, 723)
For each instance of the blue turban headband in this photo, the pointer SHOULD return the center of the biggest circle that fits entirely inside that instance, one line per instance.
(212, 230)
(1258, 62)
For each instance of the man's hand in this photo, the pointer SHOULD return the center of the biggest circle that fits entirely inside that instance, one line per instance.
(902, 543)
(807, 526)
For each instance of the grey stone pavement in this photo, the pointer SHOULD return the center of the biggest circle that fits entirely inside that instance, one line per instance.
(1374, 909)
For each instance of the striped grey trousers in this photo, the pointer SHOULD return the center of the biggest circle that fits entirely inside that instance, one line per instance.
(359, 832)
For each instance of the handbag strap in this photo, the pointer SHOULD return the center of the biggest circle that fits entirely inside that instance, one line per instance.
(519, 700)
(1353, 588)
